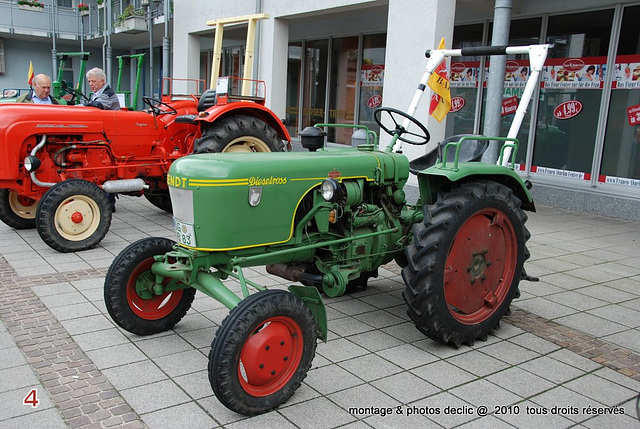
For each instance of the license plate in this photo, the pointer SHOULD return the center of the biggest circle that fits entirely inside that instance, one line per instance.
(185, 232)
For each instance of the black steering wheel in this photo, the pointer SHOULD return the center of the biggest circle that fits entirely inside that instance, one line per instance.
(74, 93)
(399, 130)
(154, 106)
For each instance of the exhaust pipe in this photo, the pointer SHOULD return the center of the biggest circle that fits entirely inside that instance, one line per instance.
(122, 186)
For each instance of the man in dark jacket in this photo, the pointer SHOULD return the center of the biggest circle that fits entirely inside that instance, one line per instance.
(103, 97)
(40, 94)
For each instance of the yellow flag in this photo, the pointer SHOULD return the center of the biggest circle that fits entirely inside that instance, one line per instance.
(30, 75)
(439, 83)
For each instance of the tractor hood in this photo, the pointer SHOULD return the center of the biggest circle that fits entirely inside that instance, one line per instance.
(228, 201)
(23, 124)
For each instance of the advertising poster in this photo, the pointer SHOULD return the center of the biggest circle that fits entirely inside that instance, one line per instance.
(627, 72)
(464, 74)
(579, 73)
(372, 75)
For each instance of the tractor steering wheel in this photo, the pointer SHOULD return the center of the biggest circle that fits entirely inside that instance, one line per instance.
(399, 130)
(154, 104)
(74, 93)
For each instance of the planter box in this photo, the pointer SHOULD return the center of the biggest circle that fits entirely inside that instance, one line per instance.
(134, 24)
(84, 12)
(32, 8)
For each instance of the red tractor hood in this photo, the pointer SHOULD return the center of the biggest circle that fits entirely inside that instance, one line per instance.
(23, 125)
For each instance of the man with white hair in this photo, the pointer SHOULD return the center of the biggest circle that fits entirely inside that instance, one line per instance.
(103, 97)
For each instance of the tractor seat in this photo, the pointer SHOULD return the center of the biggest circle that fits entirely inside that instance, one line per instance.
(470, 151)
(207, 99)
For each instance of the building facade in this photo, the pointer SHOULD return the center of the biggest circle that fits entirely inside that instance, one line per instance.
(335, 61)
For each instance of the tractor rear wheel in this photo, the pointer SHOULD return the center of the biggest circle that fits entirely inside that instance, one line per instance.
(239, 133)
(262, 352)
(73, 215)
(128, 290)
(161, 200)
(17, 211)
(465, 262)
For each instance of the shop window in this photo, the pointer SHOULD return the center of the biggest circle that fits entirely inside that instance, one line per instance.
(371, 78)
(464, 76)
(314, 88)
(572, 90)
(294, 69)
(621, 156)
(342, 97)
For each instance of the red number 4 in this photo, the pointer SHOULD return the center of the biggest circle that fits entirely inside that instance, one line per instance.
(31, 398)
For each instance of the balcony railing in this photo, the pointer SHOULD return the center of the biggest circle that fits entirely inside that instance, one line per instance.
(67, 22)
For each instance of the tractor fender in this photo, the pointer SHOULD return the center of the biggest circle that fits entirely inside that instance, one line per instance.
(245, 108)
(437, 178)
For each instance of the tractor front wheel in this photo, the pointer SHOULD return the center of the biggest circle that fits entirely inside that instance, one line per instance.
(262, 352)
(17, 211)
(73, 215)
(465, 262)
(239, 134)
(128, 290)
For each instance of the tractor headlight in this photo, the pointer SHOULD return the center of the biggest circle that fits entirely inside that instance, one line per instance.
(331, 191)
(31, 163)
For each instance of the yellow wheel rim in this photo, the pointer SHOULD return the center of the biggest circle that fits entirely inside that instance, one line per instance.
(19, 208)
(77, 218)
(247, 144)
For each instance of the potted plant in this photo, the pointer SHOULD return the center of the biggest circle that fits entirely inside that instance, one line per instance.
(100, 3)
(30, 5)
(130, 21)
(83, 9)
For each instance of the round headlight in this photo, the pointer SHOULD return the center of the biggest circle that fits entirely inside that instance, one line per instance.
(330, 190)
(31, 163)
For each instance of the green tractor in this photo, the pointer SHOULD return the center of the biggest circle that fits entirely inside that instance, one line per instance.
(328, 219)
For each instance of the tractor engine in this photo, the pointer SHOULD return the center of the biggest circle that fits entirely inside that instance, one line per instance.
(328, 218)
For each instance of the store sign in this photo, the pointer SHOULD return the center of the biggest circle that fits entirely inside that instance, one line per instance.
(457, 103)
(374, 101)
(568, 109)
(633, 114)
(509, 105)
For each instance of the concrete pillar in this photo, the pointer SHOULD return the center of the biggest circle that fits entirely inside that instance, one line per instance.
(186, 60)
(272, 62)
(413, 27)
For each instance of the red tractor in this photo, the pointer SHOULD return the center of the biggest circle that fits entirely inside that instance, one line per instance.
(60, 163)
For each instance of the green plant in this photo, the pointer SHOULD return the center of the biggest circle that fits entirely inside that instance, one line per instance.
(128, 13)
(33, 3)
(82, 7)
(99, 2)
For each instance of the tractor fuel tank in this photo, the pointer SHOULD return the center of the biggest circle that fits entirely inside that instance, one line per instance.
(226, 201)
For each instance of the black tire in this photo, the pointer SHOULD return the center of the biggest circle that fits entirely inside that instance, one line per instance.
(161, 200)
(57, 217)
(239, 133)
(147, 314)
(17, 212)
(465, 262)
(285, 347)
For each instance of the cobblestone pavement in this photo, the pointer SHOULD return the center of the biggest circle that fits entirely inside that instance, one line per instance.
(568, 355)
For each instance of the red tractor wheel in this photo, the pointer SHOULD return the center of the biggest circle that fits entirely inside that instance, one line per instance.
(73, 215)
(465, 262)
(128, 290)
(17, 211)
(262, 352)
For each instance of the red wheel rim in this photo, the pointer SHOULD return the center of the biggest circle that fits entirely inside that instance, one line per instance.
(480, 266)
(270, 356)
(150, 307)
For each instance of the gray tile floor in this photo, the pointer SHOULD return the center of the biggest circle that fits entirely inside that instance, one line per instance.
(375, 361)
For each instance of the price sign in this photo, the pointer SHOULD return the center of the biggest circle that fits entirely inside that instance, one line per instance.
(568, 109)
